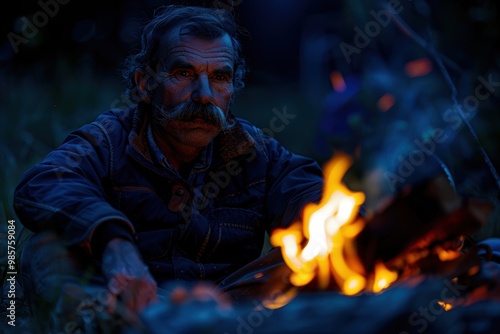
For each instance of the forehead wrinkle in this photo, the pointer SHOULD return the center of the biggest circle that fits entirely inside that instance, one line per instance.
(199, 60)
(175, 43)
(198, 63)
(219, 52)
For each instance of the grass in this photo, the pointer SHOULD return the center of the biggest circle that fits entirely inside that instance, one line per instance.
(40, 107)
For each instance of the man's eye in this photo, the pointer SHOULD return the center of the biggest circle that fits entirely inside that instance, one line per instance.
(221, 77)
(182, 73)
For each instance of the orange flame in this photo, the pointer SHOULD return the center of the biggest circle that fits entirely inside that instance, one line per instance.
(329, 227)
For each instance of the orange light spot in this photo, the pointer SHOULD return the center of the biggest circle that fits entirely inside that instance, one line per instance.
(385, 102)
(444, 305)
(280, 300)
(353, 285)
(447, 255)
(383, 277)
(337, 80)
(258, 275)
(418, 67)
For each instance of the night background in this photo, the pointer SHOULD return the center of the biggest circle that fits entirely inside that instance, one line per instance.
(360, 98)
(379, 96)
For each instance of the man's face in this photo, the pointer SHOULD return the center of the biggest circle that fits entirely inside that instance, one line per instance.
(196, 88)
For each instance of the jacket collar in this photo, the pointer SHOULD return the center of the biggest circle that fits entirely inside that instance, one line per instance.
(233, 142)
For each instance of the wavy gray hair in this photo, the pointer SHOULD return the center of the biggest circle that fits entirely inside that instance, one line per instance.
(195, 21)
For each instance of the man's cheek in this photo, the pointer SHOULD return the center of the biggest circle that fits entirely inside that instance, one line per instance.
(170, 99)
(172, 94)
(225, 100)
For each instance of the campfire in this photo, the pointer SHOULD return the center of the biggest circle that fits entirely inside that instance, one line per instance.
(422, 232)
(336, 248)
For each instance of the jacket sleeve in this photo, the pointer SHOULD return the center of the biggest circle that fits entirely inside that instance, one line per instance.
(293, 181)
(66, 192)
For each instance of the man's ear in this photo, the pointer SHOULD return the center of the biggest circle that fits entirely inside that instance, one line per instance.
(141, 81)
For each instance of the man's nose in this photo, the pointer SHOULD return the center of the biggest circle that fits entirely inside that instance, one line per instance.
(202, 92)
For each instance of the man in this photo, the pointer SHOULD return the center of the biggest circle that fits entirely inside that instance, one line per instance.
(173, 188)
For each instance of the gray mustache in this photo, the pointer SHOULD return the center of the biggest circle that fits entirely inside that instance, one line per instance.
(190, 110)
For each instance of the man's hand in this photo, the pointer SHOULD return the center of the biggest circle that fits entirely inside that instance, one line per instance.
(128, 277)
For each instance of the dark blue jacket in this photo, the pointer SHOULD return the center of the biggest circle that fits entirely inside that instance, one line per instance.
(103, 182)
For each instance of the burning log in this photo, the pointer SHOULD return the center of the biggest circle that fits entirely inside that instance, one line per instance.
(428, 221)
